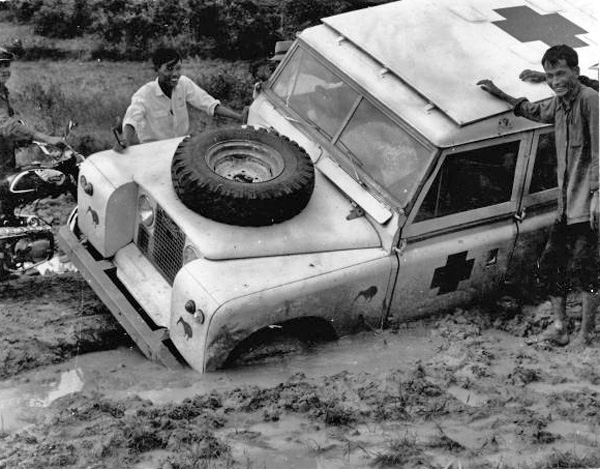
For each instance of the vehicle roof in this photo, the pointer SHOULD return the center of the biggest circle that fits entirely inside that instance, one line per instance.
(423, 58)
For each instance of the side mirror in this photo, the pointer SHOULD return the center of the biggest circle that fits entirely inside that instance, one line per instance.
(281, 48)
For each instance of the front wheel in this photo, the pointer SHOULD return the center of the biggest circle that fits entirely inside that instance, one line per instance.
(243, 176)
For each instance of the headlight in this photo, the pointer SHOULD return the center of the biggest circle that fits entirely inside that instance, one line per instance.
(145, 210)
(190, 254)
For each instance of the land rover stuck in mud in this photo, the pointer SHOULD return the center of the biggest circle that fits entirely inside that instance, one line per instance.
(374, 179)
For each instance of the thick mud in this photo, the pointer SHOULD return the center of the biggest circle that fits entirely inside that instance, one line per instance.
(461, 390)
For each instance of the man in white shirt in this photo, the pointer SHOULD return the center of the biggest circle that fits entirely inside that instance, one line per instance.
(158, 110)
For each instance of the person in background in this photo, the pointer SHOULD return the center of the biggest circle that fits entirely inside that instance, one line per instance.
(570, 261)
(12, 130)
(158, 110)
(13, 133)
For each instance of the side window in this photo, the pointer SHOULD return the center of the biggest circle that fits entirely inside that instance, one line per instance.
(544, 169)
(470, 180)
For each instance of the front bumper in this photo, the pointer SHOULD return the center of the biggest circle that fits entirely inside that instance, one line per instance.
(152, 340)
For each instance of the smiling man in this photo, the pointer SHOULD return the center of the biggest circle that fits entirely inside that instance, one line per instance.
(570, 261)
(158, 110)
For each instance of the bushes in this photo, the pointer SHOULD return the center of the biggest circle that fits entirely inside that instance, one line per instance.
(299, 14)
(239, 29)
(23, 10)
(246, 30)
(232, 83)
(131, 29)
(62, 19)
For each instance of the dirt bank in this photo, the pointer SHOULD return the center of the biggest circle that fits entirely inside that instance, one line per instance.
(48, 319)
(463, 388)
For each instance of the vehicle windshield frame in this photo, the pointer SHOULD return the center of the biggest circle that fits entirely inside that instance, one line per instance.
(351, 148)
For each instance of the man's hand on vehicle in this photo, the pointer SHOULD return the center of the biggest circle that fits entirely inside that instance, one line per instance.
(256, 89)
(119, 147)
(489, 86)
(124, 136)
(532, 76)
(121, 142)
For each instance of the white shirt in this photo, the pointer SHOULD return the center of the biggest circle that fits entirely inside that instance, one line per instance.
(155, 116)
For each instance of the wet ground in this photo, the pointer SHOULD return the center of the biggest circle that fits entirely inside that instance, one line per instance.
(463, 388)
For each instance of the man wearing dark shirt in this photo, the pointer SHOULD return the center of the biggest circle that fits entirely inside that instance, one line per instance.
(570, 261)
(12, 131)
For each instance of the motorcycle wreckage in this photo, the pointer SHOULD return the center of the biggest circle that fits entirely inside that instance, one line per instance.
(26, 240)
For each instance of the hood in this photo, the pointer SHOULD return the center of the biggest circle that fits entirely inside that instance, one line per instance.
(322, 226)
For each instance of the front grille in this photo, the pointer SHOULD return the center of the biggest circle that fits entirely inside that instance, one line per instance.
(143, 239)
(165, 249)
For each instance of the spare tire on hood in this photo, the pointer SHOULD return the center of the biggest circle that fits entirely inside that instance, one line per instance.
(243, 176)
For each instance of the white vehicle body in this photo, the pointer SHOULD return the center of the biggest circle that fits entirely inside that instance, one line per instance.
(429, 192)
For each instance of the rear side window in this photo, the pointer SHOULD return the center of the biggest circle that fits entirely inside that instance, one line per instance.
(470, 180)
(544, 169)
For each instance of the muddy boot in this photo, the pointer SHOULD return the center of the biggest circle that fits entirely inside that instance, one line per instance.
(589, 305)
(557, 334)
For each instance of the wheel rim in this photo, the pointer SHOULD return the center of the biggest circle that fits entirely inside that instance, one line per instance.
(245, 162)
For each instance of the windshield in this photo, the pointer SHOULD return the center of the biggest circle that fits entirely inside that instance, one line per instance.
(377, 148)
(315, 93)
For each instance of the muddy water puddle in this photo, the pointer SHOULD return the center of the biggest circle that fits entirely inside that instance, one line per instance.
(125, 372)
(430, 394)
(291, 441)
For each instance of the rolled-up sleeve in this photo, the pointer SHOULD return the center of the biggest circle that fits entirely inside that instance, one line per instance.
(199, 98)
(136, 112)
(543, 111)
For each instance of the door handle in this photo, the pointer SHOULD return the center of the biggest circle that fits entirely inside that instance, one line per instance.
(521, 215)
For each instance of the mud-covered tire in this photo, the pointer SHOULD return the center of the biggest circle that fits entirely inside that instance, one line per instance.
(243, 176)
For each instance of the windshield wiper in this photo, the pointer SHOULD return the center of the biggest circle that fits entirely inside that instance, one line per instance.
(355, 162)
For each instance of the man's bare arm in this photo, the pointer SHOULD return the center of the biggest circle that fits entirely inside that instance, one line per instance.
(532, 76)
(490, 87)
(224, 111)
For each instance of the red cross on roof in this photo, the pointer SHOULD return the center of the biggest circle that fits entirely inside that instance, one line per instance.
(527, 25)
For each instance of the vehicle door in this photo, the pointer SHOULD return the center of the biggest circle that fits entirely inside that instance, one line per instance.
(461, 231)
(538, 208)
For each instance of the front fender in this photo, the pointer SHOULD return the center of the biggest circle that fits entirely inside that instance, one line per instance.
(346, 288)
(107, 210)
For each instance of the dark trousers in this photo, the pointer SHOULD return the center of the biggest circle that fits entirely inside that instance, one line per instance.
(570, 261)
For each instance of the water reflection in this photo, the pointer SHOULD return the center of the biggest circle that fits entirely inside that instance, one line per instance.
(15, 403)
(70, 382)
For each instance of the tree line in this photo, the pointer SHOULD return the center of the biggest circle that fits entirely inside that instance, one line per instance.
(131, 29)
